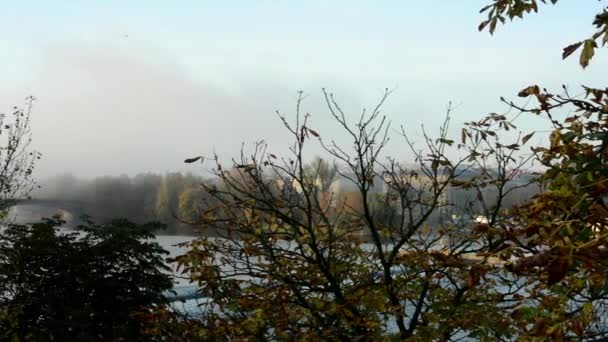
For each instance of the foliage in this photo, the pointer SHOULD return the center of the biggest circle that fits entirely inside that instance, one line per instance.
(500, 10)
(533, 272)
(164, 324)
(559, 237)
(58, 285)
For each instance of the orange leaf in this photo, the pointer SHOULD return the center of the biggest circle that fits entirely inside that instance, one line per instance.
(531, 90)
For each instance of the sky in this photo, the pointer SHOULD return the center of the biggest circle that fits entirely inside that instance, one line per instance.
(124, 87)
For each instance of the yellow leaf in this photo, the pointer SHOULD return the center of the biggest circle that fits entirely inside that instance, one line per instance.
(588, 52)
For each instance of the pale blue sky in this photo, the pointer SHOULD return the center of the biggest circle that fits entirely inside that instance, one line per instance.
(131, 86)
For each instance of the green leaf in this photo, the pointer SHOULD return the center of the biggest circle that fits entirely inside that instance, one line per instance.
(588, 309)
(493, 26)
(449, 142)
(192, 160)
(313, 132)
(483, 24)
(526, 138)
(486, 8)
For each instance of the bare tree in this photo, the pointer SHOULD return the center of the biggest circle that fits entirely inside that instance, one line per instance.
(17, 159)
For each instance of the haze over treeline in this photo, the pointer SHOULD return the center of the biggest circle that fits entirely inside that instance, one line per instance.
(178, 199)
(201, 82)
(144, 197)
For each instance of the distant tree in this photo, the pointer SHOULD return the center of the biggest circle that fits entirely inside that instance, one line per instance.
(110, 197)
(163, 201)
(145, 188)
(558, 238)
(17, 159)
(141, 198)
(83, 286)
(61, 187)
(167, 200)
(323, 174)
(191, 205)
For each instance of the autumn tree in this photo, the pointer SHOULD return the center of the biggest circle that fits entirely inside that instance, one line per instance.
(190, 205)
(558, 239)
(294, 268)
(168, 196)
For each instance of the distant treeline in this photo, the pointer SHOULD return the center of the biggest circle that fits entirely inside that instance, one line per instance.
(178, 199)
(145, 197)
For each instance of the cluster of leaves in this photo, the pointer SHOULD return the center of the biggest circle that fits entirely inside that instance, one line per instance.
(559, 237)
(500, 10)
(86, 285)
